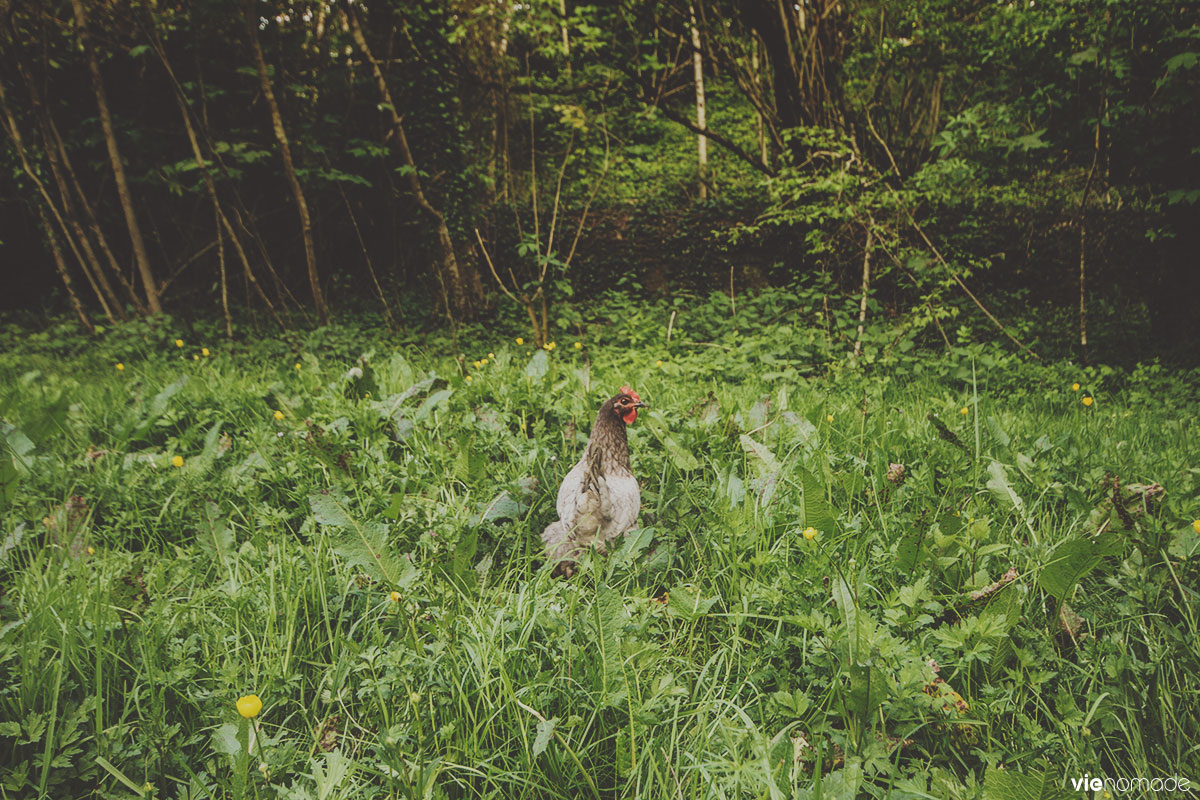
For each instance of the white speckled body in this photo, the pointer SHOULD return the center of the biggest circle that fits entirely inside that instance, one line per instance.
(599, 499)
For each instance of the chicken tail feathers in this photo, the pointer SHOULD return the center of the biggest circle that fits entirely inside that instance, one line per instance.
(559, 548)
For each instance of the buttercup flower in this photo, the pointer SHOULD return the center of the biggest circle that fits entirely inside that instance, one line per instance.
(658, 363)
(91, 550)
(1075, 387)
(809, 533)
(179, 342)
(477, 364)
(1087, 401)
(278, 414)
(297, 365)
(578, 345)
(519, 340)
(204, 352)
(395, 597)
(120, 367)
(965, 411)
(491, 355)
(195, 357)
(483, 361)
(177, 461)
(249, 706)
(829, 417)
(468, 379)
(1196, 526)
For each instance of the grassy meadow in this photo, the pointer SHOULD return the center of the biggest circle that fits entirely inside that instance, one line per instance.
(923, 575)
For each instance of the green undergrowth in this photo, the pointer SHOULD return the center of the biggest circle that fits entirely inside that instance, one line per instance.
(922, 575)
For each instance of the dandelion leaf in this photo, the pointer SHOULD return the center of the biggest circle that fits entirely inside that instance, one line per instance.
(1068, 564)
(817, 513)
(759, 456)
(363, 545)
(1009, 785)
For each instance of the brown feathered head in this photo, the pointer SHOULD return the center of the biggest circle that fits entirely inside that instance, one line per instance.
(626, 404)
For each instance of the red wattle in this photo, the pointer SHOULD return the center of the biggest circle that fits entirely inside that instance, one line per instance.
(629, 416)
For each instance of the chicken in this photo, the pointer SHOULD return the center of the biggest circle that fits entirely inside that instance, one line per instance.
(599, 499)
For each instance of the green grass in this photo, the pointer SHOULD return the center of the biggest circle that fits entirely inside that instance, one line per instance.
(718, 653)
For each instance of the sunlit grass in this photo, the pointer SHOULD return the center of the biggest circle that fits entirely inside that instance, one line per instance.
(173, 547)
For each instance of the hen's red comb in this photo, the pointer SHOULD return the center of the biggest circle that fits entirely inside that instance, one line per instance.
(626, 390)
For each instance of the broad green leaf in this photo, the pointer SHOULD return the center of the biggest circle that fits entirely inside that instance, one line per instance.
(817, 513)
(1002, 490)
(502, 506)
(545, 732)
(1006, 784)
(538, 366)
(760, 457)
(1068, 564)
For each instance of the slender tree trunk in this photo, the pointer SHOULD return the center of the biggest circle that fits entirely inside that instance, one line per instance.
(562, 27)
(866, 288)
(458, 288)
(63, 272)
(701, 122)
(14, 134)
(264, 80)
(1083, 343)
(218, 211)
(221, 267)
(114, 156)
(61, 169)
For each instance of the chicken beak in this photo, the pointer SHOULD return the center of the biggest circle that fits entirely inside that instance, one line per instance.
(640, 404)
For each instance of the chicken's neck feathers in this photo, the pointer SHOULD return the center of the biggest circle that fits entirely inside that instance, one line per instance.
(608, 448)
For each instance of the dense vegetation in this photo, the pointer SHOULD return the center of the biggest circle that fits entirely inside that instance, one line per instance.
(309, 305)
(935, 161)
(956, 577)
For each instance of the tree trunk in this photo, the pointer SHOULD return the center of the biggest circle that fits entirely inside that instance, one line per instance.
(264, 80)
(701, 122)
(462, 292)
(218, 211)
(866, 289)
(114, 156)
(64, 273)
(14, 134)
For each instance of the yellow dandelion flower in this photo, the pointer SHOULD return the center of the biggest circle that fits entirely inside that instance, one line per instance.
(195, 357)
(965, 411)
(278, 414)
(483, 361)
(395, 597)
(204, 352)
(91, 550)
(1075, 387)
(658, 363)
(179, 342)
(553, 345)
(249, 706)
(491, 355)
(1196, 526)
(120, 367)
(578, 345)
(829, 417)
(477, 364)
(177, 461)
(468, 379)
(297, 366)
(519, 340)
(810, 533)
(1087, 401)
